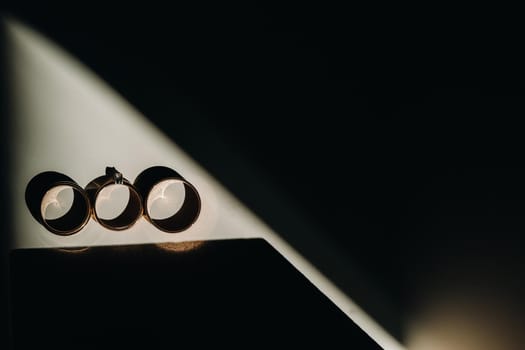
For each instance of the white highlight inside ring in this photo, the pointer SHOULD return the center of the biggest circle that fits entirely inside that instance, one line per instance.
(165, 199)
(111, 201)
(57, 202)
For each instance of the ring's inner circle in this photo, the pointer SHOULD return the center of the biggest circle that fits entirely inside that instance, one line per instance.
(111, 201)
(57, 202)
(165, 199)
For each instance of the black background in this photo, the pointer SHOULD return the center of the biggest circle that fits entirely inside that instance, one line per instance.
(233, 294)
(394, 132)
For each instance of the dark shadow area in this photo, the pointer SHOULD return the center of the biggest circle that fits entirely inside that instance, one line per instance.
(233, 294)
(5, 208)
(379, 139)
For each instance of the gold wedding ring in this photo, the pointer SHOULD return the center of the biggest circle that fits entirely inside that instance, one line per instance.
(153, 183)
(113, 180)
(63, 207)
(57, 193)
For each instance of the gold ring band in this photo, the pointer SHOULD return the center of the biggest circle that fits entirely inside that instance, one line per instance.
(188, 212)
(133, 210)
(42, 191)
